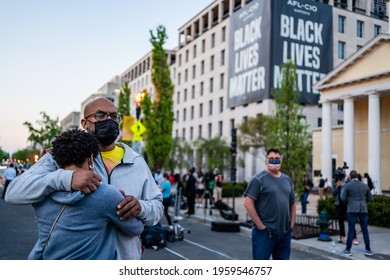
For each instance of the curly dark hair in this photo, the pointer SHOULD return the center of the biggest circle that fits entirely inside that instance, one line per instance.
(74, 147)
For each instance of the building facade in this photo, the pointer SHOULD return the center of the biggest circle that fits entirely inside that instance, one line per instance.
(202, 65)
(362, 84)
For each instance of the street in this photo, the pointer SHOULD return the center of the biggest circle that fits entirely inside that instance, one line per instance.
(19, 233)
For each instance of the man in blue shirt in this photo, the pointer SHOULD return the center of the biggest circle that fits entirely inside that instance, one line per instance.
(9, 175)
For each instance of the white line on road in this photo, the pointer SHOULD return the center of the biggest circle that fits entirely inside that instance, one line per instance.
(208, 249)
(175, 253)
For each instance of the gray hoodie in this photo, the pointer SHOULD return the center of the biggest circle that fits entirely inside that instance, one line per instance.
(132, 175)
(86, 228)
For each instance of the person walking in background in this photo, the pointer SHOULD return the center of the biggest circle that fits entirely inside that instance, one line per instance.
(307, 185)
(199, 189)
(356, 194)
(321, 186)
(116, 164)
(218, 180)
(73, 225)
(340, 209)
(9, 175)
(177, 193)
(270, 202)
(166, 194)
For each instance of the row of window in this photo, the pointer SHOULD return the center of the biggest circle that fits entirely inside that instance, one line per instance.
(202, 67)
(359, 27)
(200, 131)
(202, 87)
(203, 46)
(200, 112)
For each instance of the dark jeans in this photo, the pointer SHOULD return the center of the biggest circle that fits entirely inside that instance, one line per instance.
(340, 209)
(363, 218)
(304, 197)
(167, 203)
(265, 244)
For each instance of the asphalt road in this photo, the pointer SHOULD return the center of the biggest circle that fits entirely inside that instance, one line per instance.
(18, 235)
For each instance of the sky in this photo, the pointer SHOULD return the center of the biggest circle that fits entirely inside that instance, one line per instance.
(55, 54)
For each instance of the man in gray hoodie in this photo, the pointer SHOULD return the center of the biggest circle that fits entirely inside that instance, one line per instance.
(117, 164)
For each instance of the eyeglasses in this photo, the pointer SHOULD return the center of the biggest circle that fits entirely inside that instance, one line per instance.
(102, 116)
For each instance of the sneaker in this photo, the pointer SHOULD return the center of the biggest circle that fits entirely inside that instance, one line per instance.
(355, 241)
(369, 253)
(347, 252)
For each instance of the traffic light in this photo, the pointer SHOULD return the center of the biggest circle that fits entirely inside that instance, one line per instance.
(233, 145)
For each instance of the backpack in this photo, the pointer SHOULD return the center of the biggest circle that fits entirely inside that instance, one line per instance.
(154, 237)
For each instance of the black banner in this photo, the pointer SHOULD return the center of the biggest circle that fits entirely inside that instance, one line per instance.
(264, 34)
(249, 54)
(302, 33)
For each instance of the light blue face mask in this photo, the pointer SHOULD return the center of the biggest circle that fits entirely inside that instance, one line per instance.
(274, 161)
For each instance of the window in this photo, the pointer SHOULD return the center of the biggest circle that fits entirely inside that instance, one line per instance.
(191, 133)
(221, 104)
(220, 128)
(184, 133)
(210, 107)
(212, 63)
(186, 75)
(177, 116)
(222, 57)
(200, 131)
(210, 130)
(341, 24)
(340, 122)
(202, 67)
(185, 95)
(184, 114)
(193, 92)
(340, 107)
(377, 30)
(359, 28)
(194, 51)
(213, 40)
(193, 72)
(358, 47)
(319, 122)
(221, 80)
(178, 97)
(224, 34)
(203, 45)
(192, 112)
(180, 60)
(177, 133)
(187, 55)
(201, 88)
(211, 85)
(200, 110)
(231, 124)
(341, 50)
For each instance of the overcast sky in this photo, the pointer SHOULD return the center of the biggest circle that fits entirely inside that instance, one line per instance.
(54, 54)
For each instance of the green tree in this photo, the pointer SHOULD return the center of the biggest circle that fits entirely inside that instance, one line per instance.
(158, 115)
(124, 101)
(253, 133)
(124, 105)
(3, 155)
(42, 136)
(215, 152)
(177, 158)
(25, 154)
(287, 131)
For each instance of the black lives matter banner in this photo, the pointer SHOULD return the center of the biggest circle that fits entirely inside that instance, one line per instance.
(264, 34)
(302, 33)
(249, 49)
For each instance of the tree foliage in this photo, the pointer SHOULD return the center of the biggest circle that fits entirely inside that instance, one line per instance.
(25, 154)
(42, 136)
(287, 131)
(124, 101)
(215, 153)
(253, 133)
(3, 155)
(178, 158)
(158, 115)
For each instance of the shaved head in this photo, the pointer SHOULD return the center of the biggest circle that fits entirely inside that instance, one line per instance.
(99, 104)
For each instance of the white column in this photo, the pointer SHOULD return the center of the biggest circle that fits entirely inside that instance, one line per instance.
(374, 141)
(349, 133)
(349, 3)
(368, 8)
(326, 154)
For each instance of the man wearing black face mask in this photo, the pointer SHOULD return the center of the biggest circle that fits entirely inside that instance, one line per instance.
(270, 202)
(117, 165)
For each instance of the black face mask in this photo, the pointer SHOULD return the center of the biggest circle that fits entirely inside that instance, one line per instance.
(106, 131)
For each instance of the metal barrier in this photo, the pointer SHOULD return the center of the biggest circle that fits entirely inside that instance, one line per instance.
(306, 227)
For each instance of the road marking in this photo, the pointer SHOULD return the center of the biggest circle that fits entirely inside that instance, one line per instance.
(175, 253)
(208, 249)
